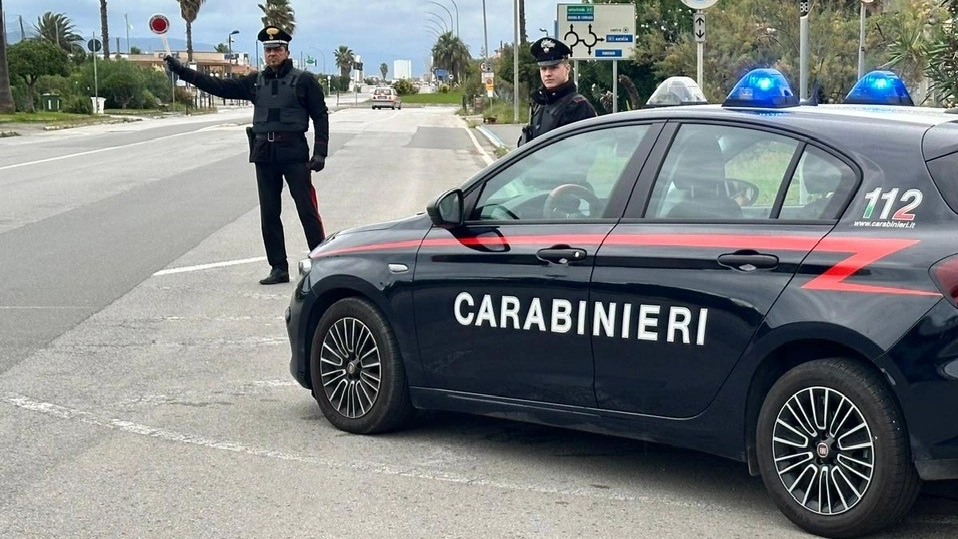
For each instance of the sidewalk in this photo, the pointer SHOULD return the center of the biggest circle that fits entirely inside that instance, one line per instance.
(501, 135)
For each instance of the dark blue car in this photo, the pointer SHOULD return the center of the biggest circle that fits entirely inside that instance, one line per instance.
(763, 280)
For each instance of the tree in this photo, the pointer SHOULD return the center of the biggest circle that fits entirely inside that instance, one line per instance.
(104, 29)
(942, 62)
(7, 105)
(344, 60)
(451, 53)
(34, 58)
(383, 68)
(222, 47)
(189, 9)
(280, 14)
(122, 87)
(58, 29)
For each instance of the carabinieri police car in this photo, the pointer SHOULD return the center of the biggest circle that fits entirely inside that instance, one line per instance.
(764, 280)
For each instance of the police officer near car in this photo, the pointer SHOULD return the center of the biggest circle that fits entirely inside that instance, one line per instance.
(558, 101)
(285, 99)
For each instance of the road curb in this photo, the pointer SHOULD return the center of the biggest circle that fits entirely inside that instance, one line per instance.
(492, 137)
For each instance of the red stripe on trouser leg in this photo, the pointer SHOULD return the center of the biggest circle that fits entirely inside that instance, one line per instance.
(312, 193)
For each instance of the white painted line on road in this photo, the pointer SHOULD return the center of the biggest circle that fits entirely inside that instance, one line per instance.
(201, 267)
(485, 155)
(100, 150)
(410, 470)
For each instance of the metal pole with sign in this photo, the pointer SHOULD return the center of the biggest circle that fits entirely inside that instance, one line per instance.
(94, 46)
(598, 32)
(698, 29)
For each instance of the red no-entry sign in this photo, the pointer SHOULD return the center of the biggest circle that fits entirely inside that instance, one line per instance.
(159, 24)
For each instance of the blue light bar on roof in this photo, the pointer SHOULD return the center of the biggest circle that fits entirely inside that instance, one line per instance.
(879, 88)
(766, 88)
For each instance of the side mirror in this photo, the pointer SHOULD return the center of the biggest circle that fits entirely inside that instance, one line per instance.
(447, 210)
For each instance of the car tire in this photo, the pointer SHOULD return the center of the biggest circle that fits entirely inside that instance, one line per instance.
(358, 376)
(836, 416)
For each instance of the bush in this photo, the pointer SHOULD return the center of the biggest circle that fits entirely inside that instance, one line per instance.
(404, 87)
(77, 105)
(147, 100)
(183, 96)
(444, 88)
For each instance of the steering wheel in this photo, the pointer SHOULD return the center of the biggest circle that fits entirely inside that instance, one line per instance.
(563, 202)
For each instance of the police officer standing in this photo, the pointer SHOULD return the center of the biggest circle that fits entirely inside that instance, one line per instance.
(284, 99)
(557, 102)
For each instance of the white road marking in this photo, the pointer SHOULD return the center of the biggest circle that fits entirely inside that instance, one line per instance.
(98, 150)
(201, 267)
(411, 471)
(485, 155)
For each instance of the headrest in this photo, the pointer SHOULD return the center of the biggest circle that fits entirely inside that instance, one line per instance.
(700, 163)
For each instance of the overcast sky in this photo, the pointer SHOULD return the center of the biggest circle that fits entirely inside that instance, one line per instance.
(377, 30)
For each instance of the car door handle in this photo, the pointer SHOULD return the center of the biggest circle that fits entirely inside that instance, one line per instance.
(748, 260)
(561, 254)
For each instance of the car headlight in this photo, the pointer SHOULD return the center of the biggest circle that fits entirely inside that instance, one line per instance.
(305, 265)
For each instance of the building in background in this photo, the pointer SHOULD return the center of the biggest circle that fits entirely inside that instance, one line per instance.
(402, 69)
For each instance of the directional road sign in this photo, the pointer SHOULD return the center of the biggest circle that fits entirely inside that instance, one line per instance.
(698, 26)
(597, 31)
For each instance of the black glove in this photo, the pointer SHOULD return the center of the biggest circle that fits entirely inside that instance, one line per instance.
(173, 64)
(317, 163)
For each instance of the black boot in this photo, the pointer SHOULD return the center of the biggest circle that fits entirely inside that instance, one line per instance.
(276, 275)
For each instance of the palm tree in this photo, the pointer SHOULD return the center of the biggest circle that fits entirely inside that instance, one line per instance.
(104, 29)
(189, 9)
(451, 53)
(383, 68)
(344, 60)
(58, 29)
(279, 13)
(523, 37)
(7, 105)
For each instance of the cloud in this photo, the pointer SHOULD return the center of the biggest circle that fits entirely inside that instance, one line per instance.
(377, 30)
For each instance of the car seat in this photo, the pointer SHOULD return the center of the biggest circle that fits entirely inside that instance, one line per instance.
(821, 182)
(700, 174)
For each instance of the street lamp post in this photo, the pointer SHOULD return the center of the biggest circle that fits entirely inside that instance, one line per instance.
(456, 6)
(439, 20)
(515, 63)
(861, 38)
(229, 44)
(447, 11)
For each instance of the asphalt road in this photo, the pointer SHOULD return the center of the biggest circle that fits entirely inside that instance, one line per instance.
(144, 389)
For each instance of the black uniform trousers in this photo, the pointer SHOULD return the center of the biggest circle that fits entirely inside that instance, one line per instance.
(269, 181)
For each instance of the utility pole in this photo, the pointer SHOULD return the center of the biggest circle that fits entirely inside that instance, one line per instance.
(7, 105)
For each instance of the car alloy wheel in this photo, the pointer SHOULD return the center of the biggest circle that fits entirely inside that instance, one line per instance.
(350, 367)
(356, 370)
(833, 450)
(823, 450)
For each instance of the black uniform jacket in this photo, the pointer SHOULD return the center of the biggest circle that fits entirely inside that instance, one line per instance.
(555, 108)
(309, 93)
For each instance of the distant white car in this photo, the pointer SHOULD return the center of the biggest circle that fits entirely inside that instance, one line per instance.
(386, 97)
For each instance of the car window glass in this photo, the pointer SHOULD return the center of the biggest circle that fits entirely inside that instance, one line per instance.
(815, 191)
(570, 179)
(721, 172)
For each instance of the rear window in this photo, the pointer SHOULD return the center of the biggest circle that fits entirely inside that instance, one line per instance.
(944, 171)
